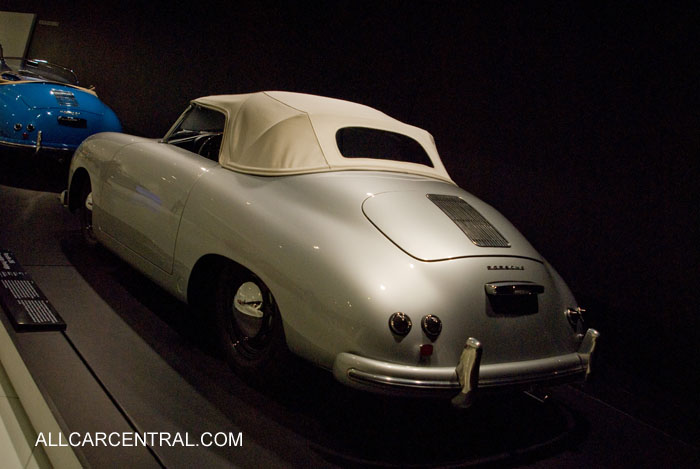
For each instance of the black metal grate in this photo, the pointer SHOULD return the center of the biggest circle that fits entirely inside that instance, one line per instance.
(472, 223)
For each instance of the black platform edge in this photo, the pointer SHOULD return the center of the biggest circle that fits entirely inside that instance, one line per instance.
(23, 301)
(6, 324)
(76, 400)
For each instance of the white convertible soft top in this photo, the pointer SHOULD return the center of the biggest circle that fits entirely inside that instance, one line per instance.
(279, 133)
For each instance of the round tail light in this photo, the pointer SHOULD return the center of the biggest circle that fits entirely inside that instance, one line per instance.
(400, 324)
(432, 326)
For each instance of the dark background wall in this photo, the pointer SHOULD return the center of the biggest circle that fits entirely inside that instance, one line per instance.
(578, 122)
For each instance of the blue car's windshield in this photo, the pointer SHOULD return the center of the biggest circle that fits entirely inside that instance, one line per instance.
(16, 69)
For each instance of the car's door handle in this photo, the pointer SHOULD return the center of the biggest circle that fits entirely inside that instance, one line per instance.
(513, 288)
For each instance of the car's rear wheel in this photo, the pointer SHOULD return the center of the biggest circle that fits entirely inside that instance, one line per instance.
(248, 325)
(85, 214)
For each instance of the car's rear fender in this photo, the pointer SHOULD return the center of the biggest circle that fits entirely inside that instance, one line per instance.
(337, 279)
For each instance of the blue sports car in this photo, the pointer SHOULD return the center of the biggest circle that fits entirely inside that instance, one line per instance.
(42, 106)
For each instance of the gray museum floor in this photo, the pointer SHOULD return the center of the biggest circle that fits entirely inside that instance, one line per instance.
(133, 359)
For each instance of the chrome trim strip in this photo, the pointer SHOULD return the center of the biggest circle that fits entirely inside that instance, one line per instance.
(366, 373)
(33, 146)
(534, 378)
(549, 377)
(18, 145)
(513, 288)
(400, 382)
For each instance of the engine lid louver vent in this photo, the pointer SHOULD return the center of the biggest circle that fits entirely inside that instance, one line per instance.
(472, 223)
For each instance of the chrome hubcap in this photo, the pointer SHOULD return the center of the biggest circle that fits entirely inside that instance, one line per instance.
(87, 218)
(247, 309)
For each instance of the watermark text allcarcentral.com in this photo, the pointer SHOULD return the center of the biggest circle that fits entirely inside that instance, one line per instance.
(114, 439)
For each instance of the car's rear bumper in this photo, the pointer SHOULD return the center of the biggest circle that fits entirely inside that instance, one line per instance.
(36, 145)
(391, 378)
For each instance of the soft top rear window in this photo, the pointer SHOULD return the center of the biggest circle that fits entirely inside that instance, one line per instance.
(364, 142)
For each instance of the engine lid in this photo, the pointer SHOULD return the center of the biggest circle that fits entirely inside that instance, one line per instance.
(42, 95)
(433, 227)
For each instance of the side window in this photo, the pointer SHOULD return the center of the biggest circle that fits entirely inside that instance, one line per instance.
(200, 131)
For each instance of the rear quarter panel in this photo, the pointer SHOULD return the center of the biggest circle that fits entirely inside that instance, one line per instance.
(337, 279)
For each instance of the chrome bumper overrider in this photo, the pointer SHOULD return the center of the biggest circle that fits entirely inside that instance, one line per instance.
(36, 146)
(380, 376)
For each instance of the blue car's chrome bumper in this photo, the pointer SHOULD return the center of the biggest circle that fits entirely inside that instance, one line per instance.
(384, 377)
(35, 145)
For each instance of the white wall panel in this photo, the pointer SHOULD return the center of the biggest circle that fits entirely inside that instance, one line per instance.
(15, 32)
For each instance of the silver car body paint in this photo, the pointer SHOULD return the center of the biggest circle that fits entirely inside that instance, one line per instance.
(340, 251)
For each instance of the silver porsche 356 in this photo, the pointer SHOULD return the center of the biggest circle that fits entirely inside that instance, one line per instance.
(331, 230)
